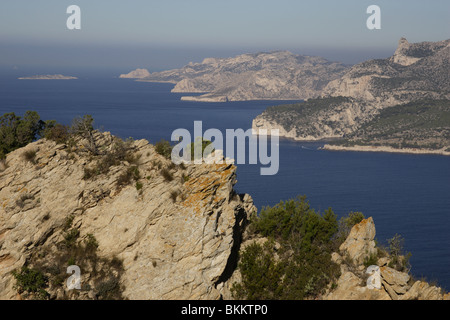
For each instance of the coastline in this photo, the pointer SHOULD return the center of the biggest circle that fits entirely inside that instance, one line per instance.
(48, 77)
(385, 149)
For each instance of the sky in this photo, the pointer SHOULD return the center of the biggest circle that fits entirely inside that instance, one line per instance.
(164, 34)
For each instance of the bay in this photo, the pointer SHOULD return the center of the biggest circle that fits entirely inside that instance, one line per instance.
(404, 193)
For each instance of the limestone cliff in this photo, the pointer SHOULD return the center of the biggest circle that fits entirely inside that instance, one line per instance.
(277, 75)
(172, 233)
(140, 227)
(415, 73)
(353, 282)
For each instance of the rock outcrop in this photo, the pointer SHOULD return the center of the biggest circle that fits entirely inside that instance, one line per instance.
(144, 228)
(176, 230)
(360, 243)
(136, 74)
(353, 282)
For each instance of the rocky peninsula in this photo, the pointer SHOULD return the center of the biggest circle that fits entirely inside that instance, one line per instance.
(279, 75)
(401, 102)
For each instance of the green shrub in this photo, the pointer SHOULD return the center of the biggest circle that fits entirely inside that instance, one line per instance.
(398, 260)
(68, 222)
(174, 195)
(132, 173)
(261, 274)
(70, 237)
(109, 289)
(371, 260)
(31, 281)
(167, 175)
(56, 132)
(30, 156)
(303, 268)
(201, 144)
(17, 132)
(164, 148)
(90, 243)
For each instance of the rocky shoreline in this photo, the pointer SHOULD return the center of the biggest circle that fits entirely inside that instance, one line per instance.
(384, 149)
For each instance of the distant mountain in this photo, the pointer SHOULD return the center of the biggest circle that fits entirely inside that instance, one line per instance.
(262, 76)
(417, 73)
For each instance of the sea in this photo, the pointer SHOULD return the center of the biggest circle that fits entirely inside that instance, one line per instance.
(406, 194)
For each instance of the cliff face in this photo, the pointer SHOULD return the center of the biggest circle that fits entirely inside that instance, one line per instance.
(271, 76)
(360, 282)
(172, 235)
(174, 232)
(415, 72)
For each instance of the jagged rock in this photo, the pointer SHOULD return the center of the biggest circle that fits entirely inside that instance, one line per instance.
(352, 287)
(423, 291)
(396, 280)
(177, 238)
(401, 54)
(360, 243)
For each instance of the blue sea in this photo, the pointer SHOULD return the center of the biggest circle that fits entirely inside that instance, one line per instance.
(405, 194)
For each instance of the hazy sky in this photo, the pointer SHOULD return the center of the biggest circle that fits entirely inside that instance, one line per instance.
(159, 34)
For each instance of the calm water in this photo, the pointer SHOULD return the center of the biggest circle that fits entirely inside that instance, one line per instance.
(405, 194)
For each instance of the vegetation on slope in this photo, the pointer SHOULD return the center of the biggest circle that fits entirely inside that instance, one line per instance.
(419, 124)
(295, 262)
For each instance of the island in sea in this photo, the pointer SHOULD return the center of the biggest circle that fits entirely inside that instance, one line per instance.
(48, 77)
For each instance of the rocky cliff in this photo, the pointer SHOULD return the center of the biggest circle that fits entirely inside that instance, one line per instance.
(140, 229)
(262, 76)
(416, 72)
(355, 282)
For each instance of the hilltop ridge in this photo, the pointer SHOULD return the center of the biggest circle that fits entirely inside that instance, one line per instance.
(279, 75)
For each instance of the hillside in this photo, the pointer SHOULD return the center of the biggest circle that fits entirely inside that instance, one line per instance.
(418, 125)
(261, 76)
(416, 73)
(139, 227)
